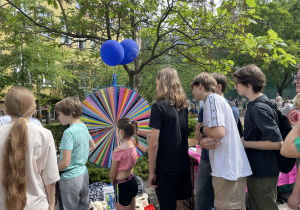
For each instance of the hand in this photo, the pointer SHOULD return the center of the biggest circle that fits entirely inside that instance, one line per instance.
(294, 201)
(244, 142)
(152, 180)
(209, 143)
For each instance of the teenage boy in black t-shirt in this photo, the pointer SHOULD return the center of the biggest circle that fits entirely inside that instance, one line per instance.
(169, 166)
(261, 137)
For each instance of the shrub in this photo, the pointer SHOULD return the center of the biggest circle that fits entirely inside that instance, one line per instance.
(192, 125)
(57, 132)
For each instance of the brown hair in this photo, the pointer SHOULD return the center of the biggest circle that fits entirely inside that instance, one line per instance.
(251, 74)
(19, 102)
(69, 106)
(207, 80)
(221, 79)
(130, 128)
(170, 88)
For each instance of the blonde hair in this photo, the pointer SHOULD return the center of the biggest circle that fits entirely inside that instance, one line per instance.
(19, 102)
(69, 106)
(170, 88)
(206, 80)
(296, 100)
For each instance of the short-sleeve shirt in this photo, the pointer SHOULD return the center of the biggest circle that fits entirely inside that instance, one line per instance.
(76, 138)
(229, 159)
(41, 165)
(172, 154)
(294, 116)
(261, 124)
(235, 111)
(126, 157)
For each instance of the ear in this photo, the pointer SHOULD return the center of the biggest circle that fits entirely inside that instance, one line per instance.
(219, 86)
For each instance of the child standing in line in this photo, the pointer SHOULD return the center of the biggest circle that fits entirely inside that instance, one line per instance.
(76, 143)
(123, 160)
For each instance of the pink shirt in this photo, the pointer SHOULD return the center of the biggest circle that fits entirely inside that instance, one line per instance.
(126, 157)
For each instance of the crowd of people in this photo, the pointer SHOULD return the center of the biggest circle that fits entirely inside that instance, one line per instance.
(231, 160)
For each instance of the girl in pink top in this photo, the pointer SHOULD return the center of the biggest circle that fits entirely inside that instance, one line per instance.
(123, 160)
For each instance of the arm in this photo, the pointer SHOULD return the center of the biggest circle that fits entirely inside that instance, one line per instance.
(288, 148)
(66, 160)
(198, 135)
(215, 132)
(113, 171)
(294, 199)
(50, 190)
(152, 153)
(92, 145)
(262, 145)
(206, 143)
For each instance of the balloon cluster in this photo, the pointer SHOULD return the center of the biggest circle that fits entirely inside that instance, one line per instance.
(114, 53)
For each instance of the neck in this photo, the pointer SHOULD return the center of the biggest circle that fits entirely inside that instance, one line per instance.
(253, 96)
(14, 119)
(206, 94)
(77, 120)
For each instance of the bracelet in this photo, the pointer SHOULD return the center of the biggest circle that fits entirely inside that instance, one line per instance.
(201, 129)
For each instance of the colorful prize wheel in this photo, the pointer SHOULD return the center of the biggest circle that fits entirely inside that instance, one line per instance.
(100, 112)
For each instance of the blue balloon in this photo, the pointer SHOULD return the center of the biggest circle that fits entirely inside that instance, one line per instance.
(112, 52)
(131, 51)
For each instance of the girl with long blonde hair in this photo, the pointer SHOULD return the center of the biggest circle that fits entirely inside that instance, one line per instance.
(169, 167)
(28, 161)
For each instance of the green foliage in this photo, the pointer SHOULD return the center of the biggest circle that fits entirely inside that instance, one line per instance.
(100, 174)
(192, 125)
(57, 132)
(96, 174)
(190, 32)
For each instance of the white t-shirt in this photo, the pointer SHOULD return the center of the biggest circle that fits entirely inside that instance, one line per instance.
(229, 160)
(41, 165)
(6, 119)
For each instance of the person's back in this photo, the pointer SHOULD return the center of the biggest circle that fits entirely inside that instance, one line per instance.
(75, 138)
(41, 165)
(75, 146)
(28, 158)
(6, 119)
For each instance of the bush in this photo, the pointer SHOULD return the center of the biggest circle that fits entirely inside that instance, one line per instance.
(96, 174)
(192, 125)
(99, 174)
(57, 132)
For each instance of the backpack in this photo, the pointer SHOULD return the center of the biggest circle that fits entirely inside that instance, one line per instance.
(239, 124)
(285, 164)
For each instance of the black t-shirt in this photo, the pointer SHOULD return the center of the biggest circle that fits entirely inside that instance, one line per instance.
(172, 155)
(194, 111)
(261, 124)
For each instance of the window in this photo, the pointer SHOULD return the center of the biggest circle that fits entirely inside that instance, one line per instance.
(81, 44)
(93, 45)
(77, 5)
(65, 39)
(45, 16)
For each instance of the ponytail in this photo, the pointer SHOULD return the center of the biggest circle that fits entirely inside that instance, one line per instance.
(130, 128)
(19, 103)
(136, 129)
(14, 179)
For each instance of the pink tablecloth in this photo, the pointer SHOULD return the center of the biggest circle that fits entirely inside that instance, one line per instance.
(282, 180)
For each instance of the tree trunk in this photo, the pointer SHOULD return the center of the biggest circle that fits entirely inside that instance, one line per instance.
(131, 80)
(138, 81)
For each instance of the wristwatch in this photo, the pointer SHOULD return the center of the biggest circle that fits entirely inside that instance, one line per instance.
(201, 129)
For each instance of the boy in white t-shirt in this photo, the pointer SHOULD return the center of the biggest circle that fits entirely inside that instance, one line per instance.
(229, 163)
